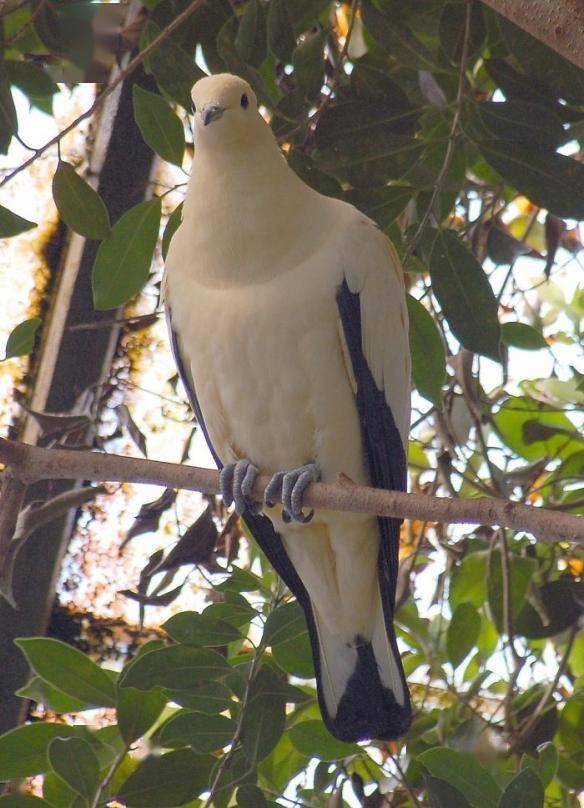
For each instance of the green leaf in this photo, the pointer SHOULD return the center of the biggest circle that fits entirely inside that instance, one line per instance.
(8, 119)
(464, 773)
(137, 711)
(522, 122)
(167, 781)
(570, 774)
(313, 739)
(178, 667)
(75, 762)
(280, 32)
(203, 733)
(523, 336)
(384, 157)
(547, 763)
(428, 353)
(172, 225)
(21, 338)
(572, 723)
(383, 205)
(161, 128)
(251, 36)
(550, 180)
(285, 623)
(263, 719)
(23, 751)
(558, 609)
(359, 119)
(250, 797)
(461, 287)
(397, 39)
(59, 794)
(208, 698)
(174, 70)
(237, 612)
(191, 628)
(11, 224)
(443, 794)
(294, 655)
(524, 791)
(514, 416)
(469, 580)
(42, 692)
(123, 260)
(521, 572)
(69, 670)
(463, 632)
(34, 82)
(308, 61)
(23, 801)
(80, 207)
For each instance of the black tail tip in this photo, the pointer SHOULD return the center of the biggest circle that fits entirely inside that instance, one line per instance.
(368, 710)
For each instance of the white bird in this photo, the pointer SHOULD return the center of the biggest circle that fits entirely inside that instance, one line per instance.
(289, 326)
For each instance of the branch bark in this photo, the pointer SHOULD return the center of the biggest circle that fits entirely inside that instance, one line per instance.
(31, 463)
(559, 24)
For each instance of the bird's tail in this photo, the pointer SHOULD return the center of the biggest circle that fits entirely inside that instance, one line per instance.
(362, 687)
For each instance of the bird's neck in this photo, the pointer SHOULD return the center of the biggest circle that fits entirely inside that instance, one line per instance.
(244, 207)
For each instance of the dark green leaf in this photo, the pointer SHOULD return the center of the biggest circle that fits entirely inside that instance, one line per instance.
(443, 794)
(34, 82)
(524, 791)
(21, 338)
(23, 751)
(8, 119)
(557, 609)
(238, 613)
(452, 26)
(123, 260)
(572, 724)
(137, 711)
(42, 692)
(174, 70)
(11, 224)
(570, 774)
(178, 667)
(313, 739)
(285, 623)
(58, 793)
(547, 763)
(463, 632)
(161, 128)
(515, 85)
(502, 247)
(192, 628)
(469, 580)
(172, 225)
(550, 180)
(280, 32)
(461, 286)
(307, 170)
(80, 207)
(208, 698)
(381, 158)
(521, 572)
(263, 719)
(251, 39)
(397, 39)
(428, 353)
(308, 61)
(69, 670)
(23, 801)
(75, 762)
(250, 797)
(203, 733)
(521, 335)
(464, 773)
(360, 119)
(167, 781)
(521, 121)
(383, 205)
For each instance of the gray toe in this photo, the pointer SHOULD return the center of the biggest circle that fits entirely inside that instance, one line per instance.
(226, 483)
(273, 492)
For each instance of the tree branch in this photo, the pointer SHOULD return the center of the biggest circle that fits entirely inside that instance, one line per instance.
(559, 24)
(30, 463)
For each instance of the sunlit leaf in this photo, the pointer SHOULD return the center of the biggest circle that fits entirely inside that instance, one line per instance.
(21, 338)
(463, 632)
(11, 224)
(312, 738)
(428, 353)
(522, 335)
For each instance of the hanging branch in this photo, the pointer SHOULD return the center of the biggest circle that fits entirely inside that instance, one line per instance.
(30, 463)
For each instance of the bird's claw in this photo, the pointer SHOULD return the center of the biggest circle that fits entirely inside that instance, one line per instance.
(236, 484)
(289, 486)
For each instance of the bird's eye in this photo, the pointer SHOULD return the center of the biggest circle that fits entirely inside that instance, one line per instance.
(244, 101)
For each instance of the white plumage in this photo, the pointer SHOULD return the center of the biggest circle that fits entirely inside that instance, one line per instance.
(252, 282)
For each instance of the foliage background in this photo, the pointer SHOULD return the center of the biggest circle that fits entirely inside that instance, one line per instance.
(461, 136)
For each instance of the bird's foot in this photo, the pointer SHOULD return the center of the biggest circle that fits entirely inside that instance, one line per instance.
(289, 486)
(235, 485)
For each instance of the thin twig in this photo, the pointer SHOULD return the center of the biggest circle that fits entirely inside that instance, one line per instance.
(128, 70)
(451, 138)
(29, 463)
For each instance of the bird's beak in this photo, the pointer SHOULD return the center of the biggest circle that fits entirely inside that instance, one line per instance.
(211, 112)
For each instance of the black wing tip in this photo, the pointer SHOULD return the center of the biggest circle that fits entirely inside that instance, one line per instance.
(368, 710)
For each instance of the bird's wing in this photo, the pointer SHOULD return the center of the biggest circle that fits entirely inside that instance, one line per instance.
(374, 322)
(259, 525)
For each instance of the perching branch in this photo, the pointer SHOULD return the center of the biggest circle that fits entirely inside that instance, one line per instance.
(559, 24)
(31, 463)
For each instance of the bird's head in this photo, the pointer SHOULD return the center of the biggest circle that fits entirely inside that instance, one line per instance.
(226, 109)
